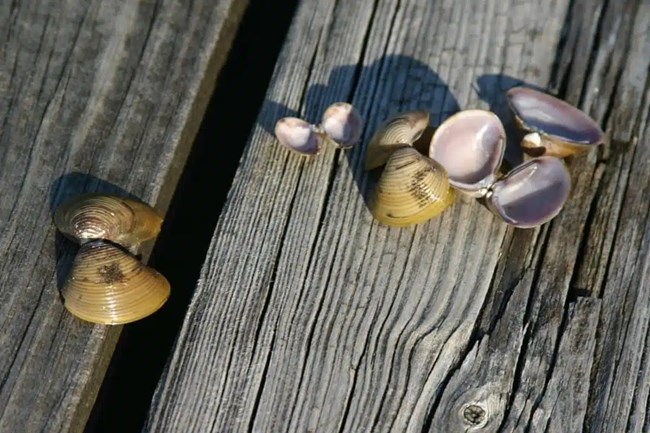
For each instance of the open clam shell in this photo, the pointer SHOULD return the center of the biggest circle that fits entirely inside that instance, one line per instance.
(298, 135)
(120, 220)
(555, 127)
(343, 124)
(398, 132)
(107, 285)
(411, 189)
(532, 193)
(470, 145)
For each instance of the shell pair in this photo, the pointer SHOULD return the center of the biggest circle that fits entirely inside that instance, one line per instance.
(466, 152)
(341, 125)
(107, 283)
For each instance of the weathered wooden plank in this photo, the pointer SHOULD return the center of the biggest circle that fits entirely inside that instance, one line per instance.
(94, 96)
(311, 317)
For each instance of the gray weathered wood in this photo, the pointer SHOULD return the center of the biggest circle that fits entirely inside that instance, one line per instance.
(94, 96)
(309, 316)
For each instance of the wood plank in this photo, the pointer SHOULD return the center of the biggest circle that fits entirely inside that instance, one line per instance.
(309, 316)
(94, 96)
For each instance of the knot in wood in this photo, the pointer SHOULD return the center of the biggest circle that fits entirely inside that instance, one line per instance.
(474, 414)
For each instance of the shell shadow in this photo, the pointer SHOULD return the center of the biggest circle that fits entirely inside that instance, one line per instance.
(390, 85)
(492, 89)
(62, 189)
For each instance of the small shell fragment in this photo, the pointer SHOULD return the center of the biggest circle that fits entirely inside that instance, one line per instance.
(120, 220)
(531, 194)
(107, 285)
(398, 132)
(556, 128)
(470, 145)
(411, 189)
(298, 135)
(342, 124)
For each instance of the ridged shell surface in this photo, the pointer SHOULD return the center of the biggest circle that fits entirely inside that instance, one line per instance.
(398, 132)
(117, 219)
(110, 286)
(411, 189)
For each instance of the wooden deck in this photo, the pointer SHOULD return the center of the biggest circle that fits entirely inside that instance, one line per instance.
(308, 316)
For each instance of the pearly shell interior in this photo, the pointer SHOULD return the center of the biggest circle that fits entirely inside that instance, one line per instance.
(298, 135)
(531, 194)
(562, 128)
(470, 145)
(343, 124)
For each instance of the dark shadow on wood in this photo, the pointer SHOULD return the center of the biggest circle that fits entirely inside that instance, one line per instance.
(63, 189)
(144, 346)
(407, 85)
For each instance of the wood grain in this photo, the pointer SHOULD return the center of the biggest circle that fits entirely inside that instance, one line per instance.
(309, 316)
(94, 96)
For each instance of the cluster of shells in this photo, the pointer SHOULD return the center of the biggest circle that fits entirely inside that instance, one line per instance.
(465, 154)
(108, 284)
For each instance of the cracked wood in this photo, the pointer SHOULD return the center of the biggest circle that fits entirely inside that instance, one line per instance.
(94, 96)
(309, 316)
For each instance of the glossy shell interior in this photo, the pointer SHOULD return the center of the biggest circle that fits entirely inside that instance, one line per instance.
(531, 194)
(470, 146)
(549, 116)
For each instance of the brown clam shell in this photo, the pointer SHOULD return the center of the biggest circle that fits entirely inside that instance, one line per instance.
(120, 220)
(107, 285)
(397, 132)
(411, 189)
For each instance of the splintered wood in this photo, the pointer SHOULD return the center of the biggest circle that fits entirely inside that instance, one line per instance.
(311, 317)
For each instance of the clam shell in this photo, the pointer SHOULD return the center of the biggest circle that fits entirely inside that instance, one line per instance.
(343, 124)
(107, 285)
(400, 131)
(411, 189)
(532, 193)
(121, 220)
(470, 145)
(562, 129)
(298, 135)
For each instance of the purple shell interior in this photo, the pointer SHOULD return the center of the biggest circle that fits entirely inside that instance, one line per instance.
(533, 193)
(470, 146)
(342, 123)
(297, 135)
(546, 114)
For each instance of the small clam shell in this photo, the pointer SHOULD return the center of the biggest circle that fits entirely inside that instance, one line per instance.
(400, 131)
(117, 219)
(532, 193)
(561, 129)
(411, 189)
(343, 124)
(107, 285)
(470, 145)
(298, 135)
